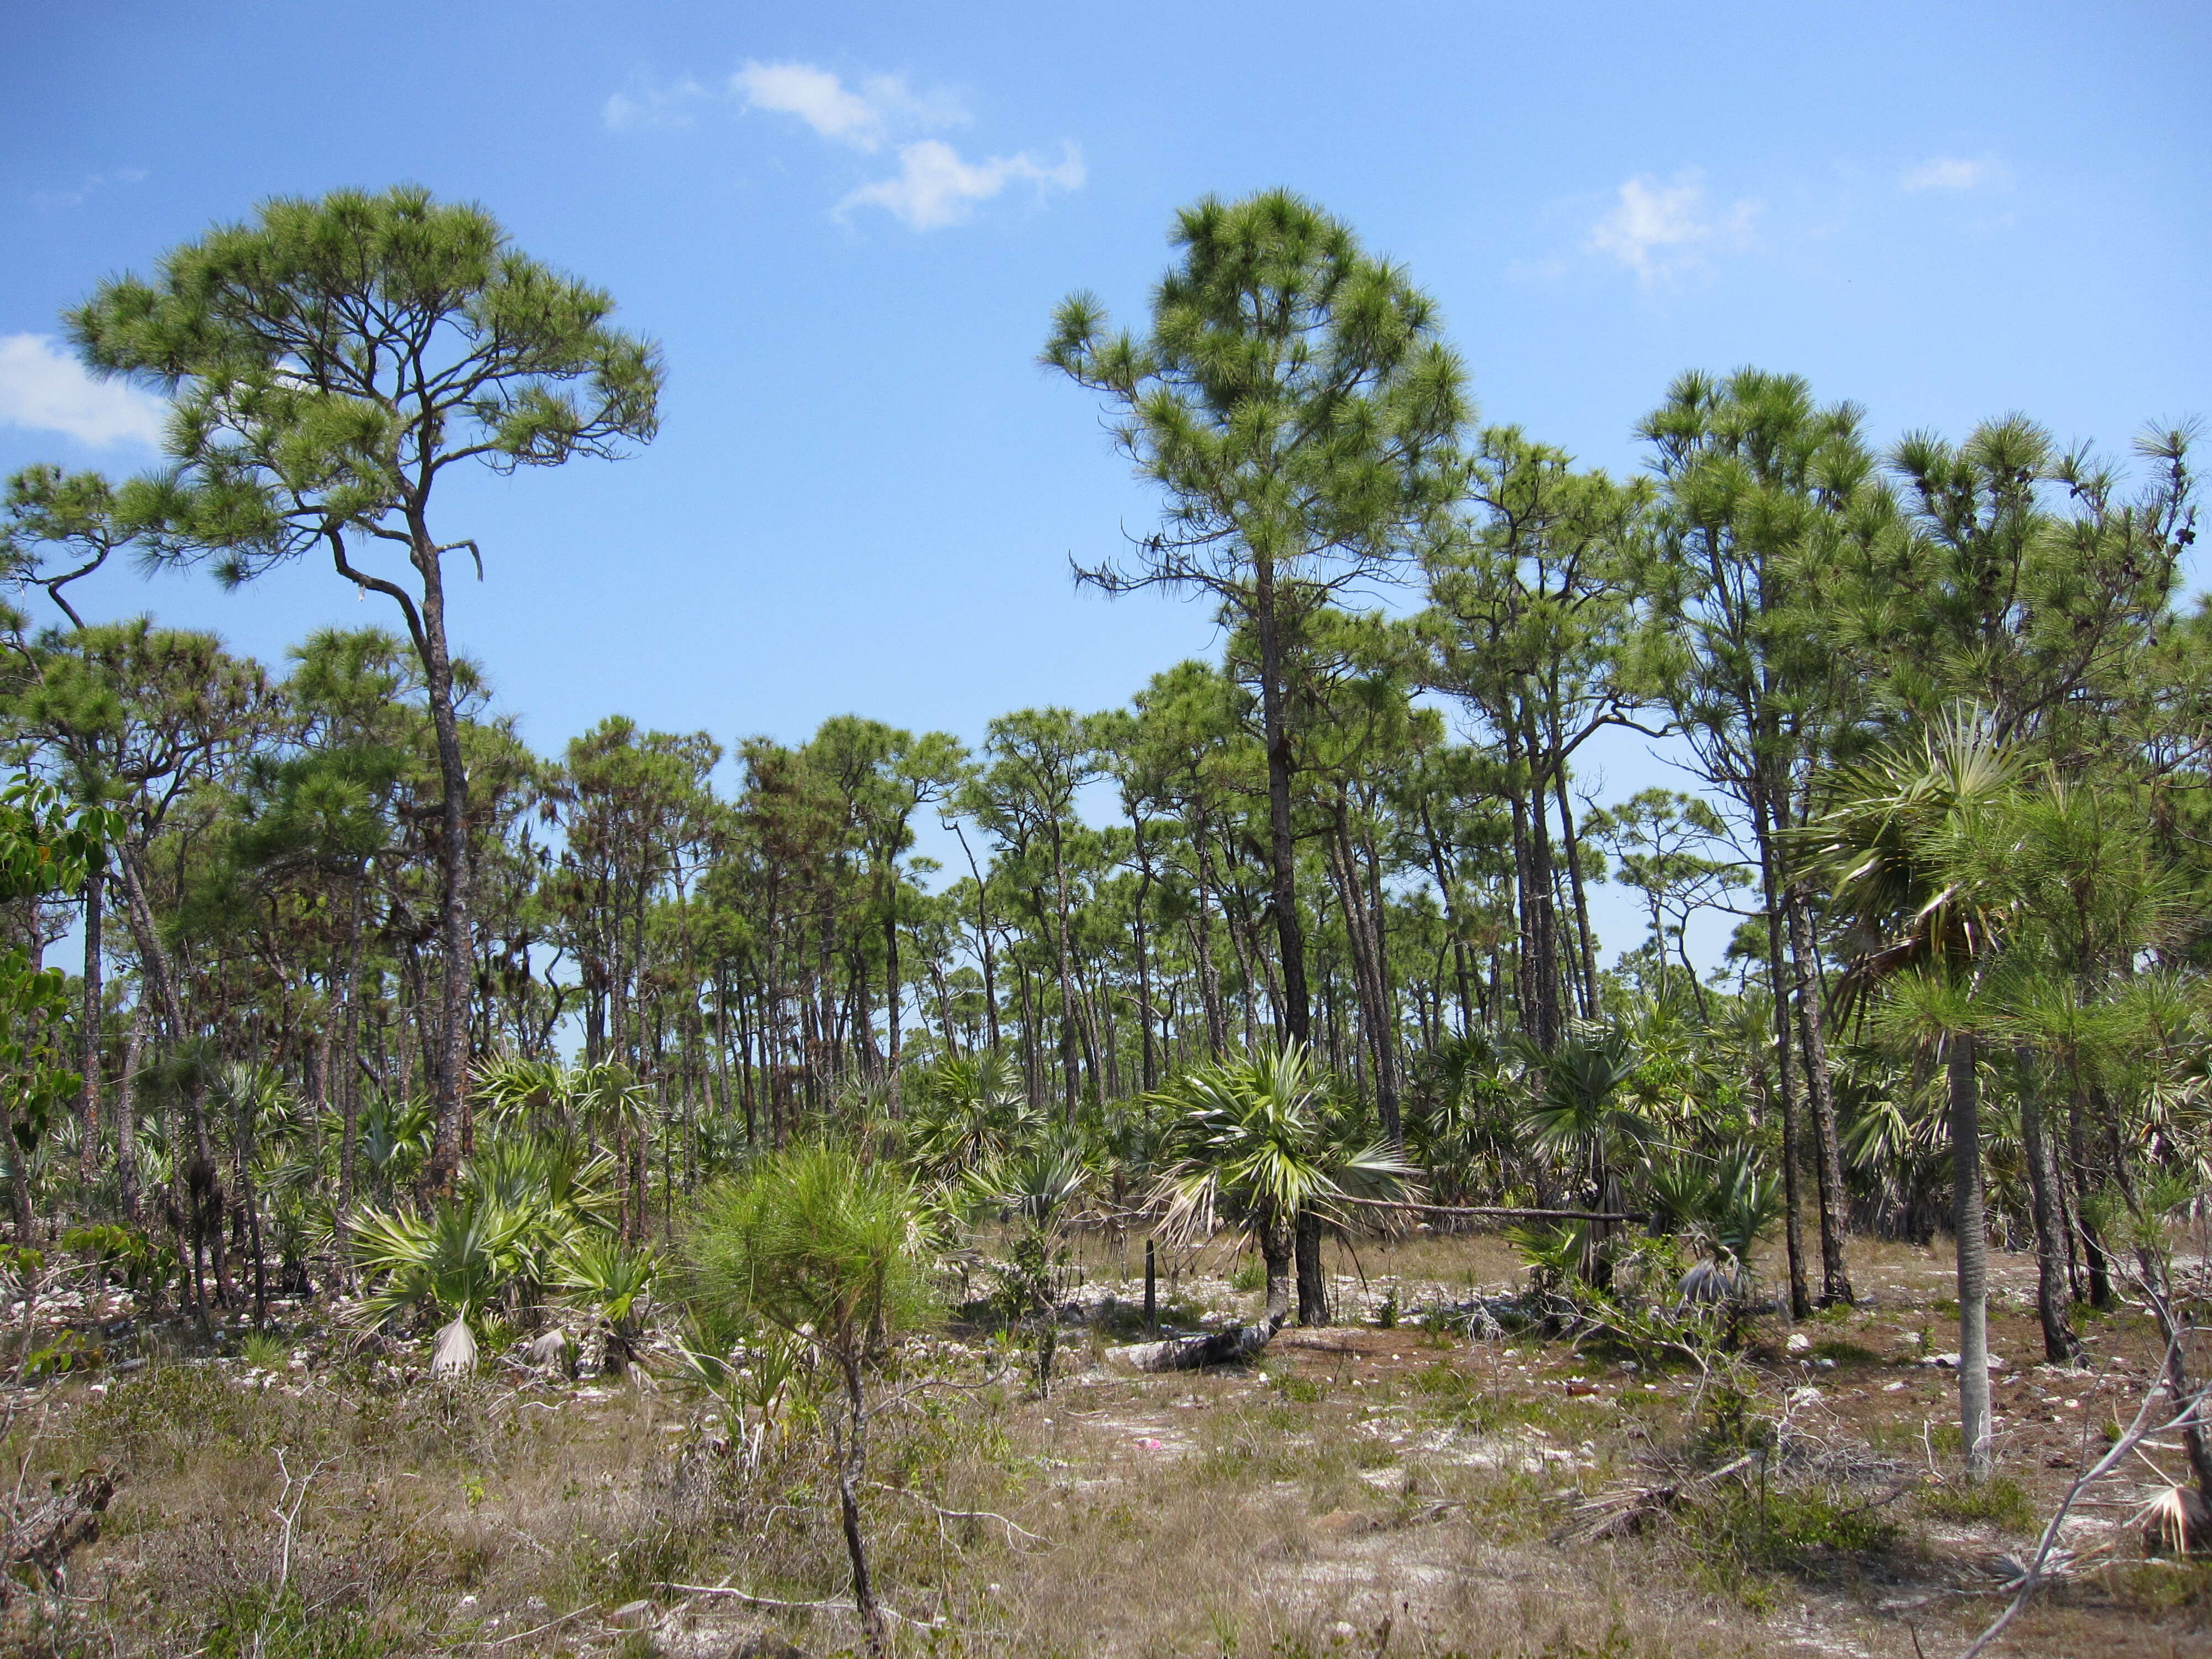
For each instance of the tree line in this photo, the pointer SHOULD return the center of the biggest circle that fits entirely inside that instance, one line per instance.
(1943, 706)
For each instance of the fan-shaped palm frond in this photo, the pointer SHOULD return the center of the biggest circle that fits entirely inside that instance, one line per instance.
(453, 1260)
(1046, 1183)
(967, 1111)
(1256, 1145)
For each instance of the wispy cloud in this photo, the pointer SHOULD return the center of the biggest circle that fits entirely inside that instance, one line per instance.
(934, 187)
(1659, 230)
(48, 201)
(1952, 173)
(644, 103)
(45, 389)
(863, 117)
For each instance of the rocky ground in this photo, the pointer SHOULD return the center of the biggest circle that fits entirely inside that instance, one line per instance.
(1360, 1490)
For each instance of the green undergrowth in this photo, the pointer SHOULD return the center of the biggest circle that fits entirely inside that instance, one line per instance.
(2001, 1503)
(1749, 1538)
(256, 1624)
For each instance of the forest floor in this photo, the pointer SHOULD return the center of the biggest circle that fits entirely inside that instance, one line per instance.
(1360, 1490)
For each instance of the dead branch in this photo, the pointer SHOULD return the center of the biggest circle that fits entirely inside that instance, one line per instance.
(1192, 1353)
(945, 1515)
(2116, 1454)
(45, 1535)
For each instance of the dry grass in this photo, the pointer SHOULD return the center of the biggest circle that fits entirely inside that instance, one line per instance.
(1365, 1491)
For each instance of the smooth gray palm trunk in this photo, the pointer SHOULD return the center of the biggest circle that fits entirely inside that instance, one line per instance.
(1971, 1225)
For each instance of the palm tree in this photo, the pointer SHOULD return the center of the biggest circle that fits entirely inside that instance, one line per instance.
(455, 1260)
(1467, 1095)
(1903, 847)
(1577, 1115)
(966, 1112)
(1256, 1145)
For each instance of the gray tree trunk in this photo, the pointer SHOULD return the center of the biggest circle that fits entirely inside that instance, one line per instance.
(1971, 1225)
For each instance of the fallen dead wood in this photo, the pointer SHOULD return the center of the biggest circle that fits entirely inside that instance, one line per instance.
(1494, 1211)
(1630, 1508)
(44, 1534)
(1191, 1353)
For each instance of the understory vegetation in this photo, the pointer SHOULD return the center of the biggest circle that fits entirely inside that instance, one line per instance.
(633, 1200)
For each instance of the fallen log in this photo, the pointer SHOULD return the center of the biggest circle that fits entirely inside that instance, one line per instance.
(45, 1533)
(1191, 1353)
(1501, 1211)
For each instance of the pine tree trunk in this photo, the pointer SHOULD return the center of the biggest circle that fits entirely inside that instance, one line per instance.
(1571, 842)
(449, 1077)
(2060, 1345)
(126, 1119)
(88, 1031)
(1313, 1282)
(1800, 1300)
(1282, 849)
(2096, 1264)
(1835, 1202)
(851, 1470)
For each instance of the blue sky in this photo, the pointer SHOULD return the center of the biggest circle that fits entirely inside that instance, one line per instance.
(847, 225)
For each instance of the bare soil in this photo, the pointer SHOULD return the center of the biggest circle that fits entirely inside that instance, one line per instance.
(1360, 1490)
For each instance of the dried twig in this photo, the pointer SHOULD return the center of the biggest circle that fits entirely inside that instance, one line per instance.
(2114, 1457)
(524, 1635)
(1498, 1211)
(751, 1601)
(945, 1515)
(289, 1519)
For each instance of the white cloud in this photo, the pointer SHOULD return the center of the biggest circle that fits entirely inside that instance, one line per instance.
(47, 200)
(935, 188)
(644, 104)
(863, 119)
(1952, 173)
(935, 185)
(44, 388)
(1656, 229)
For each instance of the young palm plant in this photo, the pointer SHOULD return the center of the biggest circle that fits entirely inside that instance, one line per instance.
(1042, 1189)
(610, 1281)
(1579, 1116)
(454, 1260)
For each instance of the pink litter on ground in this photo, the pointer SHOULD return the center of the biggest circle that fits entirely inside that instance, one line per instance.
(1150, 1445)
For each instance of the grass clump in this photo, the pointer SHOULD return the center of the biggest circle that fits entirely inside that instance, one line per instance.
(1748, 1535)
(2001, 1503)
(266, 1351)
(258, 1624)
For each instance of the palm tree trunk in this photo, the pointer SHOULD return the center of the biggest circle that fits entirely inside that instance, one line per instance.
(1969, 1223)
(1275, 1250)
